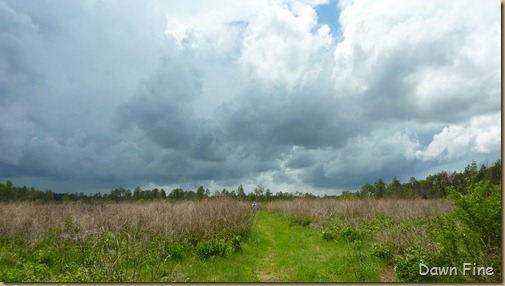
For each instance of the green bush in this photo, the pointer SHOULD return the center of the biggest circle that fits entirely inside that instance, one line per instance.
(471, 232)
(383, 251)
(174, 251)
(218, 247)
(299, 220)
(407, 268)
(480, 210)
(328, 234)
(350, 233)
(234, 244)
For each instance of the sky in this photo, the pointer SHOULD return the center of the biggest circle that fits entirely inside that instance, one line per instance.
(294, 95)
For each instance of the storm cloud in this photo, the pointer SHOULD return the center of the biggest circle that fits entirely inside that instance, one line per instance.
(318, 96)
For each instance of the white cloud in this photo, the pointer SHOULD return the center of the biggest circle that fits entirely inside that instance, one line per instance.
(439, 58)
(481, 134)
(280, 46)
(252, 91)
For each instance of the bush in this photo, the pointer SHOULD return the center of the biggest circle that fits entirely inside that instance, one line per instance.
(471, 232)
(218, 247)
(480, 210)
(328, 234)
(407, 268)
(383, 251)
(350, 233)
(299, 220)
(174, 251)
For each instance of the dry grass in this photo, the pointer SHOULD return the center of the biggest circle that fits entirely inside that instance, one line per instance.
(188, 220)
(396, 225)
(328, 209)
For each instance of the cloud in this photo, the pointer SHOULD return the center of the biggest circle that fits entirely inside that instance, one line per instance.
(281, 46)
(431, 61)
(481, 134)
(94, 96)
(163, 106)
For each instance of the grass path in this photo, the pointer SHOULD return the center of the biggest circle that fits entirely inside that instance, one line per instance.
(278, 252)
(291, 253)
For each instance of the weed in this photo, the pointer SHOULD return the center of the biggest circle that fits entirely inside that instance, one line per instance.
(328, 234)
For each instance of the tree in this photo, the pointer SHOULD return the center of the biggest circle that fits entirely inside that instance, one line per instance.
(259, 191)
(394, 188)
(240, 193)
(495, 173)
(137, 193)
(176, 194)
(268, 195)
(366, 191)
(225, 193)
(200, 193)
(380, 189)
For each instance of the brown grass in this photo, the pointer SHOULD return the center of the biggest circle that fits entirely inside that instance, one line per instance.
(188, 220)
(328, 209)
(398, 224)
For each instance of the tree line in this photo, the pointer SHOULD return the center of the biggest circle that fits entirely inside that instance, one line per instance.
(433, 187)
(11, 193)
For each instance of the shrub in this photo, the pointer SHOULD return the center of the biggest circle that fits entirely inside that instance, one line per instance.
(350, 233)
(174, 251)
(212, 247)
(383, 251)
(299, 220)
(407, 268)
(218, 247)
(328, 234)
(234, 244)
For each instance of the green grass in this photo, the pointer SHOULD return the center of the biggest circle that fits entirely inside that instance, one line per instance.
(274, 251)
(277, 252)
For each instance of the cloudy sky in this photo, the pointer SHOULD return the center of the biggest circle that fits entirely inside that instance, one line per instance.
(314, 96)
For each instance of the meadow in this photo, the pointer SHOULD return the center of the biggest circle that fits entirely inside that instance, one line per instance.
(445, 233)
(223, 240)
(114, 241)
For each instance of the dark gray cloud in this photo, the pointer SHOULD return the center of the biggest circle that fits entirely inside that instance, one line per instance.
(93, 96)
(163, 109)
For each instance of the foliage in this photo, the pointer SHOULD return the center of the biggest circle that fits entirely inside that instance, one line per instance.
(466, 228)
(218, 247)
(299, 220)
(434, 186)
(118, 242)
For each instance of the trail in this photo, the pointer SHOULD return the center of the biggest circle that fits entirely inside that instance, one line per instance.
(275, 251)
(292, 253)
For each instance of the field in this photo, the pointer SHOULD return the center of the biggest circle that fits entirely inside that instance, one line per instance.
(222, 239)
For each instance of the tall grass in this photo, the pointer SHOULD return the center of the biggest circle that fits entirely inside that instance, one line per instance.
(188, 220)
(391, 229)
(328, 209)
(86, 242)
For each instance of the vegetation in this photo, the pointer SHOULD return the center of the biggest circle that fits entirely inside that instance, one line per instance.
(433, 187)
(381, 234)
(405, 233)
(113, 242)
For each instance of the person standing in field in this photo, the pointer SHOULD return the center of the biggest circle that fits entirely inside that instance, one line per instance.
(254, 206)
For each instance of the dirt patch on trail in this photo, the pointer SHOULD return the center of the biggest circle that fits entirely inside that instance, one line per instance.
(269, 276)
(389, 274)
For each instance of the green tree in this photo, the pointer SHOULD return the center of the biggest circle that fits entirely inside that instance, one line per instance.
(200, 193)
(268, 195)
(366, 191)
(394, 189)
(380, 189)
(259, 191)
(163, 194)
(240, 193)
